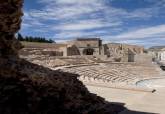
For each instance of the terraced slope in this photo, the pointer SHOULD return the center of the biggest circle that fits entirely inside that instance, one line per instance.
(117, 73)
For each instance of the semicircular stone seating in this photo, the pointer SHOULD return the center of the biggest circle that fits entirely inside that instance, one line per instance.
(114, 73)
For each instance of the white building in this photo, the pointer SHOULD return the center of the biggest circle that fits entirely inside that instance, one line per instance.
(161, 55)
(158, 53)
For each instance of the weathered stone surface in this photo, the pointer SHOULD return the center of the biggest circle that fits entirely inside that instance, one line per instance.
(11, 12)
(9, 46)
(26, 88)
(122, 52)
(10, 19)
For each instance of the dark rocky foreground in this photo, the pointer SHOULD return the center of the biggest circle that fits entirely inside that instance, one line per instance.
(26, 88)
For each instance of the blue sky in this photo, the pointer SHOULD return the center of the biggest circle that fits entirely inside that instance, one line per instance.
(139, 22)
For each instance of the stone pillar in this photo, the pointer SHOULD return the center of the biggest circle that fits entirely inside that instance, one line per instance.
(10, 20)
(65, 51)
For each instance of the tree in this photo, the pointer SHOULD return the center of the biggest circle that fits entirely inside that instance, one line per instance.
(51, 41)
(20, 38)
(34, 39)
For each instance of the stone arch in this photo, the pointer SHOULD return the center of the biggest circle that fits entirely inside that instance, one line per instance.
(88, 51)
(73, 50)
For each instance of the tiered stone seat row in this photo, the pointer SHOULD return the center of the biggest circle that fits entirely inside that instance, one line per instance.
(113, 73)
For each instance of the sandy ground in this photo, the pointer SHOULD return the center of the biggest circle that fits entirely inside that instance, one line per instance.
(137, 101)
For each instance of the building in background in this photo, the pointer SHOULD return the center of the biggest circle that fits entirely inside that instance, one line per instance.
(122, 52)
(87, 47)
(157, 53)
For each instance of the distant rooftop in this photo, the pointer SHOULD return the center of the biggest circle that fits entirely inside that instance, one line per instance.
(157, 47)
(88, 39)
(114, 43)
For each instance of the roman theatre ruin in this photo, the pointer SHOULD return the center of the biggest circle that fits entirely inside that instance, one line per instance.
(114, 71)
(66, 78)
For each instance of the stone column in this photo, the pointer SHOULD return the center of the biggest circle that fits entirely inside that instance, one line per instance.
(10, 20)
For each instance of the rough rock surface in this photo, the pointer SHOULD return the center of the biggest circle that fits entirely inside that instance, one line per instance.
(10, 19)
(26, 88)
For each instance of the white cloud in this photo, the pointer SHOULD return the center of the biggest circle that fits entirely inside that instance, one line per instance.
(61, 9)
(79, 18)
(74, 9)
(76, 1)
(86, 24)
(150, 32)
(75, 34)
(64, 2)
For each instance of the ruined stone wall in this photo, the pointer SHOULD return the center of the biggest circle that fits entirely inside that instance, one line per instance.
(124, 52)
(114, 50)
(134, 48)
(72, 50)
(87, 43)
(143, 58)
(34, 48)
(52, 46)
(118, 48)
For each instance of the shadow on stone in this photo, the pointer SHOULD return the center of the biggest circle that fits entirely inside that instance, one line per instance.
(26, 88)
(135, 112)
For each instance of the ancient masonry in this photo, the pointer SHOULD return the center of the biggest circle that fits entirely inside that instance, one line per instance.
(85, 46)
(88, 47)
(157, 53)
(94, 46)
(26, 88)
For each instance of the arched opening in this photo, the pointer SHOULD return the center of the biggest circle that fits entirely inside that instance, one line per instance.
(88, 51)
(73, 50)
